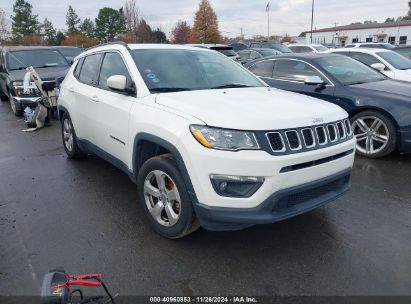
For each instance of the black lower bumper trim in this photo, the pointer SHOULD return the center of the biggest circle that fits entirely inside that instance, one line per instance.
(281, 205)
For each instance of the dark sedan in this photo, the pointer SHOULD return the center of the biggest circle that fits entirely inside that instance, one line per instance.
(379, 108)
(253, 54)
(48, 62)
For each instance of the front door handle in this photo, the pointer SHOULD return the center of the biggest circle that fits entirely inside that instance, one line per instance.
(71, 89)
(95, 98)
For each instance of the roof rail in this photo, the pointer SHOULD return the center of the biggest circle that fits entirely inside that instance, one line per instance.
(111, 43)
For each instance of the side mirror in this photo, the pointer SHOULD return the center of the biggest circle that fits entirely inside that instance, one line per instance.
(313, 80)
(378, 66)
(117, 83)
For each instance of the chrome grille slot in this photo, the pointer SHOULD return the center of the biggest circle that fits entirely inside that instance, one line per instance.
(293, 140)
(308, 137)
(321, 135)
(341, 130)
(276, 141)
(348, 129)
(332, 133)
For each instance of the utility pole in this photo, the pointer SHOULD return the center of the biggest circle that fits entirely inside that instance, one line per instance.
(312, 20)
(242, 34)
(267, 9)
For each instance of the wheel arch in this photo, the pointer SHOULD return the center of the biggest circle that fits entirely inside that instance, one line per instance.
(376, 109)
(147, 145)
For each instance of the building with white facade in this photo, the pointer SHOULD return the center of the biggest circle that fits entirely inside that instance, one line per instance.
(398, 33)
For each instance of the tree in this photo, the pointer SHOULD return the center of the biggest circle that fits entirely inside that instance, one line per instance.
(72, 21)
(131, 17)
(49, 32)
(59, 38)
(389, 20)
(144, 32)
(24, 23)
(205, 29)
(108, 24)
(158, 36)
(87, 28)
(4, 25)
(181, 33)
(78, 40)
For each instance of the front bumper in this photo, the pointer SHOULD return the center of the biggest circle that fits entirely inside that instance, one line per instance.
(404, 146)
(281, 205)
(22, 102)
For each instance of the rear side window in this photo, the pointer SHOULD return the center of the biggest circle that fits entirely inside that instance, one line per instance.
(113, 64)
(263, 68)
(78, 68)
(89, 70)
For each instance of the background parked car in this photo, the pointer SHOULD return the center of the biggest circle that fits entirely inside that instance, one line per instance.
(238, 46)
(403, 50)
(270, 45)
(390, 63)
(222, 48)
(48, 62)
(372, 45)
(308, 48)
(379, 108)
(253, 54)
(70, 52)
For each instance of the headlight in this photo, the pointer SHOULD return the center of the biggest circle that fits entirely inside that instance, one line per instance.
(18, 88)
(224, 139)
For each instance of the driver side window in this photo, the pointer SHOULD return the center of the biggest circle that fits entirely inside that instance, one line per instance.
(365, 58)
(113, 64)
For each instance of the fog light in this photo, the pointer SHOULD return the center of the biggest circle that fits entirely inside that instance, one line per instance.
(235, 186)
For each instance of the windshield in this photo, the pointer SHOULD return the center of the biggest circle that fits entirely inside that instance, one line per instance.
(168, 70)
(320, 48)
(396, 60)
(18, 60)
(267, 53)
(225, 51)
(281, 47)
(71, 52)
(349, 71)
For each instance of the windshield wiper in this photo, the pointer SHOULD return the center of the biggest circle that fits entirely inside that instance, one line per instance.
(231, 85)
(19, 68)
(166, 90)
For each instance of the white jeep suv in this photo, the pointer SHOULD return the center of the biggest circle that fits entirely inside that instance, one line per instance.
(206, 142)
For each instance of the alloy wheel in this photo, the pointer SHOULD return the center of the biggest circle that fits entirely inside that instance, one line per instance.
(371, 133)
(68, 135)
(162, 198)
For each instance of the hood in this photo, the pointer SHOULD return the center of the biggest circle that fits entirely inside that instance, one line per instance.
(386, 88)
(252, 108)
(50, 73)
(404, 75)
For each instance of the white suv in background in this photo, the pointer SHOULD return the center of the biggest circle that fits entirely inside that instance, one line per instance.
(390, 63)
(308, 48)
(205, 140)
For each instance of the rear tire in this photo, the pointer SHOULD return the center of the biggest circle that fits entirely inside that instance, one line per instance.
(16, 112)
(164, 197)
(376, 134)
(70, 141)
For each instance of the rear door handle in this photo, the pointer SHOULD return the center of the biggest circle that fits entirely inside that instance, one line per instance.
(95, 98)
(71, 89)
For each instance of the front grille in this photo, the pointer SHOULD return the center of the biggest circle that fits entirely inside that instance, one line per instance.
(308, 138)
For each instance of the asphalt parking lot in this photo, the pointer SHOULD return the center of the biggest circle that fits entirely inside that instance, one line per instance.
(83, 215)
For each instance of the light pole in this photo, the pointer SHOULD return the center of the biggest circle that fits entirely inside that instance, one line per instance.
(312, 20)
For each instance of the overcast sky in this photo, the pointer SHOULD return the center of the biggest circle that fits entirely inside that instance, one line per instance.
(287, 16)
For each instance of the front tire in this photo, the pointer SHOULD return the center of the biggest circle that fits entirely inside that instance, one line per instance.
(3, 97)
(70, 140)
(376, 134)
(164, 198)
(16, 111)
